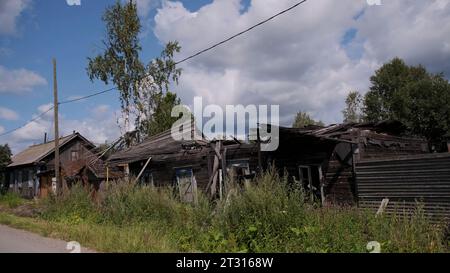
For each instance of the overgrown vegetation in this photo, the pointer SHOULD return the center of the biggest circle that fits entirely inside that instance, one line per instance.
(268, 216)
(11, 200)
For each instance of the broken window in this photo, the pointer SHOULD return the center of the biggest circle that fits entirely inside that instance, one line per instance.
(305, 176)
(238, 170)
(186, 183)
(310, 177)
(147, 178)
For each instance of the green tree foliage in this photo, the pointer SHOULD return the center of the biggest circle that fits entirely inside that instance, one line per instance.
(142, 87)
(410, 94)
(353, 109)
(120, 63)
(162, 120)
(302, 119)
(5, 160)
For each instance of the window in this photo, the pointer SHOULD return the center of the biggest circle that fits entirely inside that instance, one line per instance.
(238, 170)
(11, 180)
(310, 177)
(187, 184)
(305, 177)
(19, 179)
(147, 178)
(74, 155)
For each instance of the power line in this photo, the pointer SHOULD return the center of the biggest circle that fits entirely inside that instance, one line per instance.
(181, 61)
(32, 120)
(242, 32)
(200, 52)
(88, 96)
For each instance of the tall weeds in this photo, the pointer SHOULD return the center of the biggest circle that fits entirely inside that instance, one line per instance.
(269, 215)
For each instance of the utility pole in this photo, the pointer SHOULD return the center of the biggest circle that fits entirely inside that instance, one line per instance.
(55, 107)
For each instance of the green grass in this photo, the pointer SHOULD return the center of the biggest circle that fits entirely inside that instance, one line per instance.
(11, 200)
(269, 216)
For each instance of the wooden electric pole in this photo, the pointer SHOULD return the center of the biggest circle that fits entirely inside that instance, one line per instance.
(55, 107)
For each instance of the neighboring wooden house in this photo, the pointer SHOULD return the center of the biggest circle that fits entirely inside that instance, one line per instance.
(32, 171)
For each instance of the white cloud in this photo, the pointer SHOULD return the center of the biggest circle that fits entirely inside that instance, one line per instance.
(417, 31)
(99, 126)
(298, 60)
(144, 6)
(10, 10)
(2, 129)
(19, 80)
(8, 114)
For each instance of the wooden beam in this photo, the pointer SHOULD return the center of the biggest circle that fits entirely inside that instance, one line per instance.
(142, 170)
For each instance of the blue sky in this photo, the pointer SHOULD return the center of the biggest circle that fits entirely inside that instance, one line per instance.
(53, 29)
(307, 59)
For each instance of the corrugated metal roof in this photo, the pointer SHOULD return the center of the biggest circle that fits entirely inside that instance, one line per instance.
(36, 153)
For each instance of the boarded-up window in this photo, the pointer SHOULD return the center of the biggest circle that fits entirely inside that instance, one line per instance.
(186, 184)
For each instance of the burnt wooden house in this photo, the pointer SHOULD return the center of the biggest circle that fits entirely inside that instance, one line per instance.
(32, 170)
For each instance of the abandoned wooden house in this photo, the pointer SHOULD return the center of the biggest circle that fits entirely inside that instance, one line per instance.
(32, 171)
(369, 141)
(322, 159)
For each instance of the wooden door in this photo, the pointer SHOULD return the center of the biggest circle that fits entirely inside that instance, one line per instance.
(43, 186)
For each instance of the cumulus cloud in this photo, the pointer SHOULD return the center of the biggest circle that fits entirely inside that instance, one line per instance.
(19, 80)
(10, 10)
(417, 31)
(299, 60)
(144, 6)
(99, 126)
(2, 129)
(8, 114)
